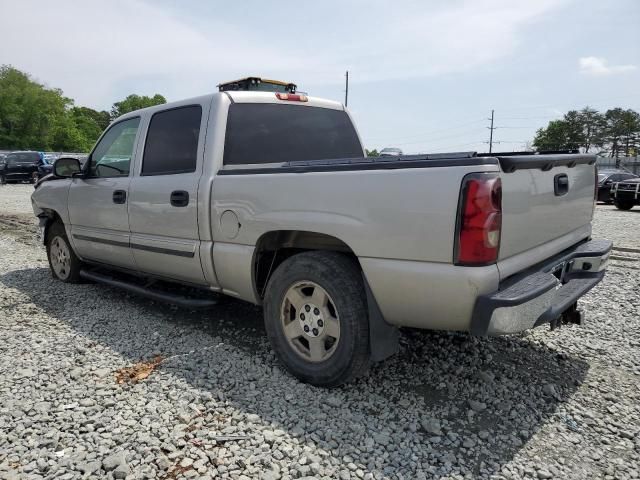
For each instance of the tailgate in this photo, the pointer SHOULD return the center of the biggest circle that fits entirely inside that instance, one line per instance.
(545, 198)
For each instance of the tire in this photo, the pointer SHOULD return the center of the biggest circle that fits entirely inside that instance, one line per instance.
(63, 262)
(331, 285)
(34, 177)
(3, 179)
(624, 204)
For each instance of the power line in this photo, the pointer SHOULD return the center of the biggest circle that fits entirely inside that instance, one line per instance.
(430, 132)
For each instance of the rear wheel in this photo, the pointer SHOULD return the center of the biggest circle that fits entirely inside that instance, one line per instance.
(624, 204)
(3, 179)
(316, 318)
(64, 263)
(34, 177)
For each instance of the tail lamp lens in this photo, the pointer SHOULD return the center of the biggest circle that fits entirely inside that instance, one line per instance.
(479, 220)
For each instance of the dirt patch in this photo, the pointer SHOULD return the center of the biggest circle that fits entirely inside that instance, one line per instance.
(23, 228)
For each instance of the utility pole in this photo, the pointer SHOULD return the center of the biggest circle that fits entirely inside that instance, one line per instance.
(346, 90)
(491, 129)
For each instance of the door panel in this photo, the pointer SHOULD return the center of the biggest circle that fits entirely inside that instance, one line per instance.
(100, 227)
(165, 238)
(163, 207)
(98, 211)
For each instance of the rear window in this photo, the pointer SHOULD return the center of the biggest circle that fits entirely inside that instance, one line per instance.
(273, 133)
(24, 157)
(172, 141)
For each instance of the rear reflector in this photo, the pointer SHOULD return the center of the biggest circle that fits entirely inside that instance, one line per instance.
(479, 220)
(292, 97)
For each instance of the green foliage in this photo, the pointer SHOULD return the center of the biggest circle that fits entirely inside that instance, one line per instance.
(35, 117)
(372, 153)
(29, 112)
(616, 132)
(135, 102)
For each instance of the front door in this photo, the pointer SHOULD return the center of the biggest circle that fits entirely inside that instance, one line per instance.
(163, 209)
(98, 203)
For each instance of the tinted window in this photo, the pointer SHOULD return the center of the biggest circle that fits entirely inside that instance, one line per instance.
(627, 176)
(23, 157)
(172, 141)
(112, 155)
(270, 133)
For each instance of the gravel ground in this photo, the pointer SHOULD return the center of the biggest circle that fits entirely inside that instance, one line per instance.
(562, 404)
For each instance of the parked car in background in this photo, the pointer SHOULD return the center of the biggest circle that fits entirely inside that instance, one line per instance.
(390, 152)
(24, 166)
(606, 180)
(626, 194)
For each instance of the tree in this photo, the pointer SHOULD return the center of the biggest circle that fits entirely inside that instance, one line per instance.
(555, 137)
(372, 153)
(622, 131)
(616, 132)
(135, 102)
(29, 112)
(593, 128)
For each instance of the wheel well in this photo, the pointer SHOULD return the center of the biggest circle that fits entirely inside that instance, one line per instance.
(51, 217)
(275, 247)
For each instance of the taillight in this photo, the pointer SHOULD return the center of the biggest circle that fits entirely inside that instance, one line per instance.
(479, 220)
(292, 97)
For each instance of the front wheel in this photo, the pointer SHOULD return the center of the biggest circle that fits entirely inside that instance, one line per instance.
(64, 263)
(315, 315)
(624, 204)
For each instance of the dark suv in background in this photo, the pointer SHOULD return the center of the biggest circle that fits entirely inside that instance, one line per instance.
(606, 180)
(21, 166)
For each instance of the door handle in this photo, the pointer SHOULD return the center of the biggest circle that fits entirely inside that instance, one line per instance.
(119, 196)
(179, 198)
(560, 184)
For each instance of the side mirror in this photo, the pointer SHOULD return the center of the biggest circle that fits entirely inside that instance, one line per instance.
(66, 167)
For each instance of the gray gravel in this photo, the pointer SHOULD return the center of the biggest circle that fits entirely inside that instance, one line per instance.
(562, 404)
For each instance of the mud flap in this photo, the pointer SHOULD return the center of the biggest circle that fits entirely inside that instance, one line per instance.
(383, 337)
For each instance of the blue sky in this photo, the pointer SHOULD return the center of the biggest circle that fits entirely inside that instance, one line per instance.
(424, 75)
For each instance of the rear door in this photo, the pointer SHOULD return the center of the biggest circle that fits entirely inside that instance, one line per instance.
(163, 209)
(544, 199)
(98, 203)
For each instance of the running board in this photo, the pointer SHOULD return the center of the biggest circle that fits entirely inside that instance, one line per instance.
(147, 292)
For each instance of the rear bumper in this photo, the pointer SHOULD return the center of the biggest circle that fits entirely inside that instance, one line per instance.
(542, 294)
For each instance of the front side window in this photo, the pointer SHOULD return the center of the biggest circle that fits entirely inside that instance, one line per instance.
(274, 133)
(172, 141)
(112, 155)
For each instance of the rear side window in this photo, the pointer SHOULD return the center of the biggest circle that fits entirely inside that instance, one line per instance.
(273, 133)
(172, 141)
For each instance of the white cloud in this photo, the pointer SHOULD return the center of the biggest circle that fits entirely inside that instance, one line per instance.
(96, 51)
(597, 66)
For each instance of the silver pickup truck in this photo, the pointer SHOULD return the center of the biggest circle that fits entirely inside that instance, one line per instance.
(269, 197)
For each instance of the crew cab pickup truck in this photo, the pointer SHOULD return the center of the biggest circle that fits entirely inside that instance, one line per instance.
(269, 197)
